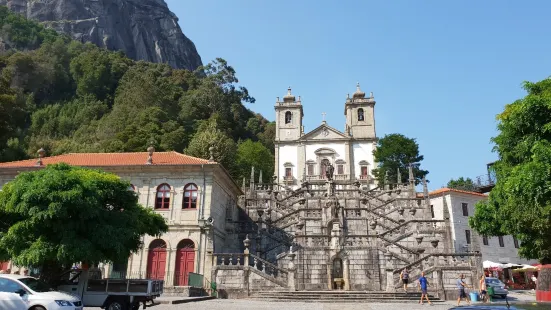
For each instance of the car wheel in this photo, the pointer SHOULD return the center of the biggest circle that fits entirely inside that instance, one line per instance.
(115, 305)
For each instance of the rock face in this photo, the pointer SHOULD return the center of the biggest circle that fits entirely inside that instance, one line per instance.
(143, 29)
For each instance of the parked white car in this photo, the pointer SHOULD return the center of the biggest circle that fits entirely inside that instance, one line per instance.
(19, 292)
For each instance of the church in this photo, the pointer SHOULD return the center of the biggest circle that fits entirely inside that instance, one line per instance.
(324, 224)
(306, 156)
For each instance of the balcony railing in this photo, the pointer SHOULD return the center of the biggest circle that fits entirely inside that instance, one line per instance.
(323, 177)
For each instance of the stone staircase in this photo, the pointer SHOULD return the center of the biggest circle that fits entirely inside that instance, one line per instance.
(341, 296)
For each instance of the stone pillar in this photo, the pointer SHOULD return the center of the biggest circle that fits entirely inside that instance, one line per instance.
(291, 275)
(389, 273)
(170, 261)
(301, 161)
(346, 274)
(439, 285)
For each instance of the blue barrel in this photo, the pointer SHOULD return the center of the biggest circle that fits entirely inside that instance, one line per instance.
(474, 296)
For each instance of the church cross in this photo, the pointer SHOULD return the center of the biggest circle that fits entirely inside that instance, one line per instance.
(323, 114)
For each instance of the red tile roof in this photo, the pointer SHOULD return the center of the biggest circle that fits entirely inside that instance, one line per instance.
(111, 159)
(446, 190)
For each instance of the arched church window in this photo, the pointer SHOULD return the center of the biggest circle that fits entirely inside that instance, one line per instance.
(310, 169)
(288, 117)
(340, 169)
(360, 114)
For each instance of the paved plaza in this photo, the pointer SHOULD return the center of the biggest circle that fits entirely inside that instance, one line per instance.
(241, 304)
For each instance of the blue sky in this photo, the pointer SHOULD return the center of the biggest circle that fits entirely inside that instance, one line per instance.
(440, 70)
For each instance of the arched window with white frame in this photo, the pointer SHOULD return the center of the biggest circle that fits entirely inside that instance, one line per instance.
(162, 199)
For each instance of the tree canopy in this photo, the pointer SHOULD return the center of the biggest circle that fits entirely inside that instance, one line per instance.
(254, 154)
(461, 183)
(61, 215)
(396, 151)
(520, 202)
(65, 96)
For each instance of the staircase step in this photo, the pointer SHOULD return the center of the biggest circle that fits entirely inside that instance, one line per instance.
(341, 296)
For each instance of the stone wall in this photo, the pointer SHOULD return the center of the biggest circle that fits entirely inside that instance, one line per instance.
(240, 281)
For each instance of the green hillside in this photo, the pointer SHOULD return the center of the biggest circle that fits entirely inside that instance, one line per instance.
(65, 96)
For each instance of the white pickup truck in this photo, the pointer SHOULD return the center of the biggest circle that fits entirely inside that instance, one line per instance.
(110, 294)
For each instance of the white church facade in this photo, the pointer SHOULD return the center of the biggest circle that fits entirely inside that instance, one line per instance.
(305, 156)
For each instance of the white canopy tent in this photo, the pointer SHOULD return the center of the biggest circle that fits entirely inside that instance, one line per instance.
(488, 264)
(491, 265)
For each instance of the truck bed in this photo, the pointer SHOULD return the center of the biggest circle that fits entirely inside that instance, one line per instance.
(134, 287)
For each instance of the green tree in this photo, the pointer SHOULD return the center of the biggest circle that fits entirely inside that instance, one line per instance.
(396, 151)
(209, 135)
(254, 154)
(60, 215)
(461, 183)
(520, 202)
(66, 96)
(97, 72)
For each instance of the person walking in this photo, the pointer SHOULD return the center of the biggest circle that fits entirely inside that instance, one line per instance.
(482, 289)
(461, 285)
(423, 284)
(404, 276)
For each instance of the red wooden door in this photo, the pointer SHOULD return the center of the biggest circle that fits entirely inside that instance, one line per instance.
(156, 263)
(185, 263)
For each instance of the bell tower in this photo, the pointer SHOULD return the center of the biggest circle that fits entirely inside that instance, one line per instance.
(360, 115)
(288, 118)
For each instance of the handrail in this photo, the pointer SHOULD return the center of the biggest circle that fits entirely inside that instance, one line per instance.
(266, 263)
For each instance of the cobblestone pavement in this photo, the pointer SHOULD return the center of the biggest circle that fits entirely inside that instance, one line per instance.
(225, 304)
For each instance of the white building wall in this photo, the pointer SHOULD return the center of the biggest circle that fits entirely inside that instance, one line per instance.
(362, 151)
(288, 154)
(337, 147)
(459, 223)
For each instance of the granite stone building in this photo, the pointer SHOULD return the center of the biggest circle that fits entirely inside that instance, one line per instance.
(460, 204)
(196, 197)
(325, 224)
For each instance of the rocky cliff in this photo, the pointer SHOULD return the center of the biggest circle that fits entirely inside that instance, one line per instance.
(143, 29)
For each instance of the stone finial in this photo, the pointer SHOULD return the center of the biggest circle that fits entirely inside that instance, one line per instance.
(211, 154)
(411, 177)
(150, 150)
(370, 94)
(252, 175)
(277, 99)
(425, 187)
(289, 97)
(41, 154)
(399, 176)
(243, 186)
(359, 94)
(247, 242)
(260, 177)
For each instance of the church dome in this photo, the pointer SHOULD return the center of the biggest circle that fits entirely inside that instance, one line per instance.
(359, 94)
(289, 97)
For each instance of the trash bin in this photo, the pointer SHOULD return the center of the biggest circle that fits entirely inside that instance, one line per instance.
(474, 296)
(491, 292)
